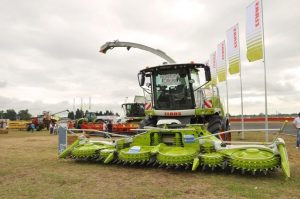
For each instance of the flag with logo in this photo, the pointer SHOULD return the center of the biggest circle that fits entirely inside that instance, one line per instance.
(221, 62)
(213, 70)
(254, 31)
(233, 49)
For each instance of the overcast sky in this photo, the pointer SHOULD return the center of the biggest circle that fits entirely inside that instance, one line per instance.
(49, 50)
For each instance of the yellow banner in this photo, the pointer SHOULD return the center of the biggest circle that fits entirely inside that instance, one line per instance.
(233, 49)
(254, 31)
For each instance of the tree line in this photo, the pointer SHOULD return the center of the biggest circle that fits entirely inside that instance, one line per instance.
(80, 113)
(11, 114)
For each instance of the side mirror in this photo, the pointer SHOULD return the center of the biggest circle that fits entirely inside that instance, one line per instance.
(141, 78)
(207, 73)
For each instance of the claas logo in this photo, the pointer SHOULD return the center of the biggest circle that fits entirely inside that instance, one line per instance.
(172, 113)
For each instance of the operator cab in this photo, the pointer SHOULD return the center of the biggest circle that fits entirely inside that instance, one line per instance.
(134, 109)
(173, 87)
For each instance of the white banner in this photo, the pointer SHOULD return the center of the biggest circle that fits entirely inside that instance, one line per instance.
(233, 49)
(213, 69)
(221, 62)
(254, 31)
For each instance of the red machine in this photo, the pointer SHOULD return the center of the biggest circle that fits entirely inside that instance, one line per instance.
(44, 120)
(116, 128)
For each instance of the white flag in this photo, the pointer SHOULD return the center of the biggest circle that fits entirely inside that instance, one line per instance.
(233, 49)
(254, 37)
(213, 69)
(221, 62)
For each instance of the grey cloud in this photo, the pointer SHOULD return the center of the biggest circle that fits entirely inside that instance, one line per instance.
(53, 46)
(3, 84)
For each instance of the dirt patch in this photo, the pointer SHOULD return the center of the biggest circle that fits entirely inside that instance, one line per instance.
(35, 140)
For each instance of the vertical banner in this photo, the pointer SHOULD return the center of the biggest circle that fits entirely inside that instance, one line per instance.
(233, 49)
(254, 31)
(221, 62)
(213, 70)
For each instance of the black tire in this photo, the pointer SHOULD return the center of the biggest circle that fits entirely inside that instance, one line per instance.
(226, 127)
(215, 124)
(147, 122)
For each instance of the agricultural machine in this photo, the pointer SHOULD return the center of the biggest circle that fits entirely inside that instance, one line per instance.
(89, 117)
(134, 109)
(44, 120)
(174, 94)
(180, 132)
(134, 113)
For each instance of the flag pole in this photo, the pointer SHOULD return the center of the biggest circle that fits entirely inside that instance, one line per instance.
(227, 96)
(90, 103)
(265, 75)
(242, 104)
(81, 107)
(227, 108)
(226, 93)
(74, 107)
(241, 85)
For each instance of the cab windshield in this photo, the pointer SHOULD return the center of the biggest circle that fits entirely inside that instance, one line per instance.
(172, 89)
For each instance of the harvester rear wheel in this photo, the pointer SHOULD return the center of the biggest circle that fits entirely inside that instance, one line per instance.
(147, 122)
(215, 124)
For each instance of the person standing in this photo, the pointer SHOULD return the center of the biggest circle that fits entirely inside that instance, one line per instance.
(296, 124)
(105, 129)
(104, 126)
(32, 127)
(55, 127)
(109, 127)
(51, 128)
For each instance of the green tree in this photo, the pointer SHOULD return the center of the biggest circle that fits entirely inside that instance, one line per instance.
(71, 115)
(2, 114)
(24, 115)
(78, 114)
(10, 114)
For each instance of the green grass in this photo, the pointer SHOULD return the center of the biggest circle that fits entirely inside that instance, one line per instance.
(29, 168)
